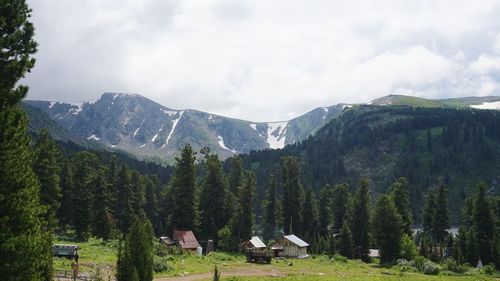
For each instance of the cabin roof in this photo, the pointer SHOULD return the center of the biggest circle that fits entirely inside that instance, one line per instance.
(296, 240)
(186, 239)
(256, 242)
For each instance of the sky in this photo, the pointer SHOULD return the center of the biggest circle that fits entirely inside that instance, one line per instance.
(264, 60)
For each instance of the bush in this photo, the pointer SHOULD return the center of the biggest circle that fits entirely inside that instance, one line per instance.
(160, 264)
(339, 258)
(405, 266)
(488, 269)
(408, 248)
(218, 256)
(430, 268)
(418, 262)
(453, 266)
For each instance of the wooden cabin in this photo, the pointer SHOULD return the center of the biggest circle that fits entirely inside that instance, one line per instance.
(186, 239)
(291, 247)
(256, 251)
(66, 251)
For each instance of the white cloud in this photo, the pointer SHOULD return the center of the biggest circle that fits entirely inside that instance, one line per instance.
(265, 60)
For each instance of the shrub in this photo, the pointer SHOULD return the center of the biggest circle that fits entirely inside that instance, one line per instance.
(218, 256)
(405, 266)
(488, 269)
(418, 262)
(160, 264)
(430, 268)
(453, 266)
(408, 248)
(339, 258)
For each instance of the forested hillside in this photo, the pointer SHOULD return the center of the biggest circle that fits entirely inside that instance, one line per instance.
(462, 146)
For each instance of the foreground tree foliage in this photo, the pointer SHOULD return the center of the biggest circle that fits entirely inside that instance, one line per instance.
(135, 254)
(388, 229)
(25, 246)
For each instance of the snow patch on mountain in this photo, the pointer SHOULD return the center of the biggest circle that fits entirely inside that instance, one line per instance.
(325, 109)
(487, 105)
(223, 145)
(253, 126)
(174, 124)
(52, 103)
(93, 137)
(154, 138)
(136, 131)
(170, 113)
(276, 134)
(76, 108)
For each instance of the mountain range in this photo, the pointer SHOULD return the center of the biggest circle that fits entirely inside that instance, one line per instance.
(141, 127)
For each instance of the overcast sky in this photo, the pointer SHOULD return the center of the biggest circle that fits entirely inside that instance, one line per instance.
(264, 60)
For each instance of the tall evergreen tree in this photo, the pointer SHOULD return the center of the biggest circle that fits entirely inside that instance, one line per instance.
(46, 167)
(102, 220)
(183, 214)
(441, 219)
(324, 210)
(388, 232)
(86, 165)
(310, 216)
(152, 207)
(65, 211)
(135, 258)
(484, 224)
(270, 221)
(340, 206)
(124, 208)
(292, 195)
(213, 215)
(242, 221)
(137, 199)
(24, 245)
(345, 243)
(429, 213)
(401, 197)
(361, 221)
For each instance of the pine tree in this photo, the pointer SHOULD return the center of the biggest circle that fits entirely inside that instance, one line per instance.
(24, 245)
(102, 220)
(325, 212)
(213, 215)
(340, 206)
(441, 219)
(86, 165)
(183, 214)
(46, 167)
(429, 213)
(137, 199)
(310, 216)
(135, 257)
(361, 221)
(269, 206)
(242, 221)
(151, 207)
(124, 208)
(345, 242)
(401, 197)
(292, 195)
(484, 224)
(111, 180)
(388, 232)
(65, 211)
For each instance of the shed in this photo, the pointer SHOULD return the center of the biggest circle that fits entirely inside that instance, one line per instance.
(168, 242)
(254, 243)
(292, 247)
(186, 239)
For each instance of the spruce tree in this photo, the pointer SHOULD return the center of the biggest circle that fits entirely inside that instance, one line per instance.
(310, 216)
(242, 221)
(441, 219)
(124, 208)
(24, 244)
(213, 215)
(401, 197)
(292, 195)
(137, 199)
(46, 167)
(345, 242)
(183, 214)
(135, 257)
(151, 207)
(429, 213)
(388, 232)
(65, 210)
(340, 206)
(102, 220)
(361, 221)
(269, 206)
(484, 224)
(325, 212)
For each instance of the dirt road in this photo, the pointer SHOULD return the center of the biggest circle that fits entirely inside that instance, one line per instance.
(226, 273)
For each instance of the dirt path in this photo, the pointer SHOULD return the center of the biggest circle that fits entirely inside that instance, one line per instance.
(233, 272)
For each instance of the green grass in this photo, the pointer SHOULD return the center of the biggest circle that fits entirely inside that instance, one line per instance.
(94, 251)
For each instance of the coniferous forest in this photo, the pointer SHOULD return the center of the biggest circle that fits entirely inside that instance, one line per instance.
(395, 178)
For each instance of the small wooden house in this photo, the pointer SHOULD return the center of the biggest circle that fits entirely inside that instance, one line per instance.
(291, 247)
(186, 239)
(66, 251)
